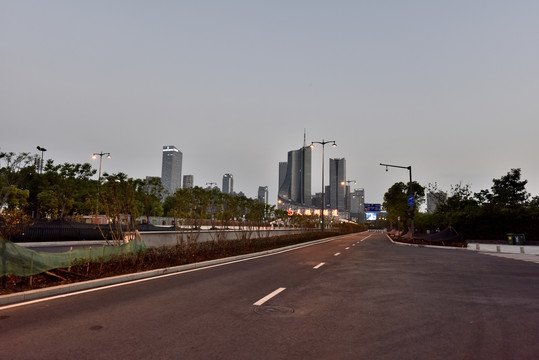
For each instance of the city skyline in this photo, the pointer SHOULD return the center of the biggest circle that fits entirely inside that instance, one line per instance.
(445, 87)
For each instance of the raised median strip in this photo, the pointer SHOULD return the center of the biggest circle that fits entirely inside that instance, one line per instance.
(73, 288)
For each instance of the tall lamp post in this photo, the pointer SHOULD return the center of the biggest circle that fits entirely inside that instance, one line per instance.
(100, 154)
(411, 197)
(39, 148)
(349, 206)
(323, 143)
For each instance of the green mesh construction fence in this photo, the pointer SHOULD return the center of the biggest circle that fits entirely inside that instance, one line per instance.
(17, 260)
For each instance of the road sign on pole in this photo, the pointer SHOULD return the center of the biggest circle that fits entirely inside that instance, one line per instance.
(373, 207)
(411, 200)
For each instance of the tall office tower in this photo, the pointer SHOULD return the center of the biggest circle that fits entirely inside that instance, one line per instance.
(357, 205)
(228, 184)
(284, 186)
(295, 183)
(188, 181)
(337, 183)
(171, 169)
(263, 194)
(434, 199)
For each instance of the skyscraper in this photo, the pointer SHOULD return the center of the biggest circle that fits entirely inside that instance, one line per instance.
(295, 183)
(263, 194)
(188, 181)
(171, 169)
(337, 184)
(357, 205)
(228, 184)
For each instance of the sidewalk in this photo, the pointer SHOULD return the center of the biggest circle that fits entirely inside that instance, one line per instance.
(506, 249)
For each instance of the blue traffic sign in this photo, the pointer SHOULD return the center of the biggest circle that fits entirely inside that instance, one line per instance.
(373, 207)
(411, 200)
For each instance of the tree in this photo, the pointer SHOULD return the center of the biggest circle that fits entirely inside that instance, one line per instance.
(10, 178)
(71, 187)
(509, 191)
(396, 201)
(118, 199)
(148, 195)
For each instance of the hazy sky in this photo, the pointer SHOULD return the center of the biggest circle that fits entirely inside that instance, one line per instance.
(448, 87)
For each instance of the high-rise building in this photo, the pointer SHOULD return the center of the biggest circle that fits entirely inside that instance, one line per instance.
(434, 199)
(171, 169)
(337, 184)
(228, 184)
(295, 183)
(188, 181)
(263, 194)
(357, 205)
(284, 185)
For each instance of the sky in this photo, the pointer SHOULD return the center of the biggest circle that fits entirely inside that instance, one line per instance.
(450, 88)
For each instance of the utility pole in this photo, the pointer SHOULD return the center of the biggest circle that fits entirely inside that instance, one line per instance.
(411, 197)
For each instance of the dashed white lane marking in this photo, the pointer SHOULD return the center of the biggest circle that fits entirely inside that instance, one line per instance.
(337, 254)
(319, 265)
(267, 297)
(348, 248)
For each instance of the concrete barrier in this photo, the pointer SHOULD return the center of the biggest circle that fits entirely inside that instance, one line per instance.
(171, 238)
(508, 249)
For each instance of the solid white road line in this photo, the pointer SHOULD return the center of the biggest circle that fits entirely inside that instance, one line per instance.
(266, 298)
(319, 265)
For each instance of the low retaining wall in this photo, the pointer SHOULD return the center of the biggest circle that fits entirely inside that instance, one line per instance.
(171, 238)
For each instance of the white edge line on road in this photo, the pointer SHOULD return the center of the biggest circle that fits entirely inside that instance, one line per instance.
(319, 265)
(267, 297)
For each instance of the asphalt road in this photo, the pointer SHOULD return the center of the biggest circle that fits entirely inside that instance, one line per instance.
(357, 297)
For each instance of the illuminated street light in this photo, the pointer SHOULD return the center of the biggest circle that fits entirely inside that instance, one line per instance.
(211, 185)
(349, 195)
(39, 148)
(323, 143)
(100, 154)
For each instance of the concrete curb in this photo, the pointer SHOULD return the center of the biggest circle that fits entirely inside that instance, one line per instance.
(505, 249)
(91, 284)
(427, 246)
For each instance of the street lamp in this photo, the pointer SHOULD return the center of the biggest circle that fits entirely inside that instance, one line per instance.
(323, 143)
(39, 148)
(411, 203)
(100, 154)
(349, 195)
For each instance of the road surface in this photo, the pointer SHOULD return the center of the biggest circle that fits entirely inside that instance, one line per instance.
(356, 297)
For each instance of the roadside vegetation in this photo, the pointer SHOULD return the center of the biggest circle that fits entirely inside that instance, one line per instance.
(488, 214)
(163, 257)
